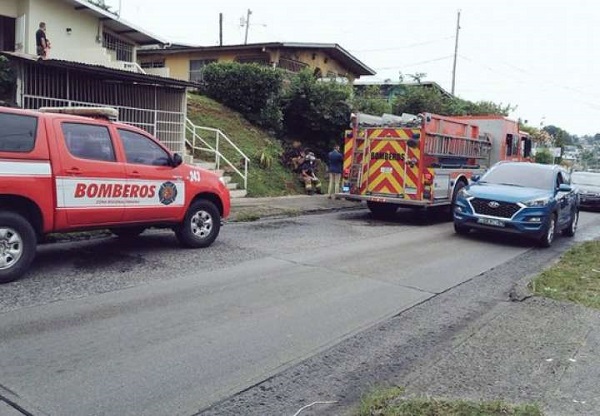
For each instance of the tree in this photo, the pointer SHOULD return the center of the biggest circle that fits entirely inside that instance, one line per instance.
(370, 101)
(316, 112)
(560, 137)
(544, 156)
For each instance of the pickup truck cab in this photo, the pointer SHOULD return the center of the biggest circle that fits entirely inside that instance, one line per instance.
(61, 172)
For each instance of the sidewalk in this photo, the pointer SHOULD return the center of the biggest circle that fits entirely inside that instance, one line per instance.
(251, 209)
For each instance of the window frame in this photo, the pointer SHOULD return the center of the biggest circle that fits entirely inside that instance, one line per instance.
(35, 130)
(87, 159)
(152, 140)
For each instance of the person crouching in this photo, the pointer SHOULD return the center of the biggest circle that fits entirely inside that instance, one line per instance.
(312, 184)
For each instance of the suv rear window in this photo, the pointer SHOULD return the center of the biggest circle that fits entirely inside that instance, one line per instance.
(17, 133)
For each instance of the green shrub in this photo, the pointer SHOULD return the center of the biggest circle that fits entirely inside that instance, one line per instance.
(316, 112)
(544, 156)
(251, 89)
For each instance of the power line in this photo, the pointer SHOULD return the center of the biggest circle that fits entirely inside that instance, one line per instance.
(537, 81)
(416, 63)
(413, 45)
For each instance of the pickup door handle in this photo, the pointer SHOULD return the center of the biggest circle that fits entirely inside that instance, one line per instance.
(135, 174)
(74, 172)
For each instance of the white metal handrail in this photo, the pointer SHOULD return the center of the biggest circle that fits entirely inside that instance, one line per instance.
(199, 143)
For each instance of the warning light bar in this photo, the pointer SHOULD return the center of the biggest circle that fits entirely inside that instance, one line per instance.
(97, 112)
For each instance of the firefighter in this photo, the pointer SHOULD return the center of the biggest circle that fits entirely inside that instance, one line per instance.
(307, 172)
(295, 157)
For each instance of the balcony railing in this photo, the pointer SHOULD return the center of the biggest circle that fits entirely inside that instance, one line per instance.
(291, 65)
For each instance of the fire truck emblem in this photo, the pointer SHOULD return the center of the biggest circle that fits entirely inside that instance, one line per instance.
(167, 193)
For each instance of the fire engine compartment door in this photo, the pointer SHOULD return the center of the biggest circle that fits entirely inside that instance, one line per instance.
(387, 168)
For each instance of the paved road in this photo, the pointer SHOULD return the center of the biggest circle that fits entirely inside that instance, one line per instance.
(101, 328)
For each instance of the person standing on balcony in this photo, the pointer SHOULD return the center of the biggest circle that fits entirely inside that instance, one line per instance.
(336, 160)
(41, 42)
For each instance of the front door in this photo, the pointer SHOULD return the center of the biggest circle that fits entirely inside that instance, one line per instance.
(89, 167)
(158, 187)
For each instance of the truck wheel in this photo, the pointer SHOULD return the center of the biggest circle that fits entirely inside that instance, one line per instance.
(127, 233)
(460, 185)
(572, 228)
(201, 225)
(548, 238)
(381, 210)
(17, 246)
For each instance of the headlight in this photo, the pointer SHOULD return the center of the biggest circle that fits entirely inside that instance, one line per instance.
(540, 202)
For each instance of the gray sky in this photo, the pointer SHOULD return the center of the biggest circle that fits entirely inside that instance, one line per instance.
(539, 55)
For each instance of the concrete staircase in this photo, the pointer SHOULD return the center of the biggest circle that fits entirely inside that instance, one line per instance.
(233, 187)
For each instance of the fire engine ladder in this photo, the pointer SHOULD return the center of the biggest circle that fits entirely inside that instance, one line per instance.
(359, 154)
(444, 145)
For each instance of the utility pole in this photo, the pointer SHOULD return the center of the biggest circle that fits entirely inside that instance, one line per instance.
(455, 53)
(220, 29)
(247, 26)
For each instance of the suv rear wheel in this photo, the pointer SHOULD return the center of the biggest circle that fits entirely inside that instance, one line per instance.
(201, 225)
(17, 246)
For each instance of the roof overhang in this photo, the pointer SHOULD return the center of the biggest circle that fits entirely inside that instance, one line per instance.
(117, 25)
(101, 71)
(352, 63)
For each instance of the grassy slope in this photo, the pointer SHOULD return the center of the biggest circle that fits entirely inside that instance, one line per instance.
(272, 181)
(575, 278)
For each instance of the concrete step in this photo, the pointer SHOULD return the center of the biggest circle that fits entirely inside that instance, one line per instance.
(231, 186)
(206, 165)
(238, 193)
(188, 159)
(226, 178)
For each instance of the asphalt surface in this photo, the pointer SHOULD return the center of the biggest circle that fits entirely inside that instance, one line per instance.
(100, 328)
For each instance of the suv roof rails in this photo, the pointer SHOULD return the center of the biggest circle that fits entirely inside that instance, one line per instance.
(95, 112)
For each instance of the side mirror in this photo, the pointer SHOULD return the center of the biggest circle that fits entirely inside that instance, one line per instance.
(565, 188)
(475, 178)
(177, 160)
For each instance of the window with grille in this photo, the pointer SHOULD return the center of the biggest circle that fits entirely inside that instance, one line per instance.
(197, 69)
(159, 63)
(122, 49)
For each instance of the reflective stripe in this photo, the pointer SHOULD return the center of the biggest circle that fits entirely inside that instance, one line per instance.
(25, 168)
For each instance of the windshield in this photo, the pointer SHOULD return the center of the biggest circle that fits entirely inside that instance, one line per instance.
(522, 174)
(584, 178)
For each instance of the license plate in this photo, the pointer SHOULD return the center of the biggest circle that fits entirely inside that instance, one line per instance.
(345, 189)
(491, 221)
(386, 170)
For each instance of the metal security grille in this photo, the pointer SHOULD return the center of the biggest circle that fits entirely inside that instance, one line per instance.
(159, 110)
(500, 209)
(123, 51)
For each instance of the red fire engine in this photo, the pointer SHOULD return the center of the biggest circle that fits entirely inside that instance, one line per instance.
(423, 161)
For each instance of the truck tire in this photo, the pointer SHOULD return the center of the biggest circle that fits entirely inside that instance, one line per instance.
(382, 210)
(128, 233)
(18, 243)
(201, 225)
(459, 185)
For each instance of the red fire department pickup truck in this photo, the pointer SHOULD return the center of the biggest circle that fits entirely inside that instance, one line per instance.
(61, 172)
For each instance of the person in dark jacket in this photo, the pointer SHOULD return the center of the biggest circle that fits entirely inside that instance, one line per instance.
(336, 160)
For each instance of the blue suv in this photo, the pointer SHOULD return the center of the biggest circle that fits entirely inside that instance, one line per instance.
(528, 199)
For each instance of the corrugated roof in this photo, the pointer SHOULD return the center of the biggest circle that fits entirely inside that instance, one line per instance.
(335, 51)
(101, 70)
